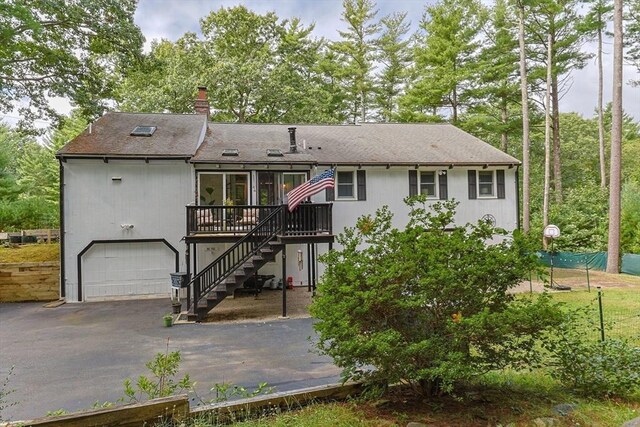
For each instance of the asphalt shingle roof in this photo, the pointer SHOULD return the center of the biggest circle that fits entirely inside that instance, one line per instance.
(424, 144)
(177, 135)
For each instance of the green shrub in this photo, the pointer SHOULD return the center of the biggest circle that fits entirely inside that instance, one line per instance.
(427, 305)
(29, 213)
(164, 368)
(593, 368)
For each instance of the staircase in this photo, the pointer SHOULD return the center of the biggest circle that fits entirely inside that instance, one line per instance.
(238, 263)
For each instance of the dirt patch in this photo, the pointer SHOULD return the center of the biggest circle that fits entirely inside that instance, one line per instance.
(267, 305)
(577, 279)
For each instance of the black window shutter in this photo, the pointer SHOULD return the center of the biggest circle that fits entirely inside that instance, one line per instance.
(442, 181)
(472, 184)
(362, 185)
(413, 182)
(500, 183)
(330, 195)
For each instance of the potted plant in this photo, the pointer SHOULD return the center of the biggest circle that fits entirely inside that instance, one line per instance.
(167, 320)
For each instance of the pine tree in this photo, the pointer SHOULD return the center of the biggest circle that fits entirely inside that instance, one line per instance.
(395, 57)
(446, 57)
(595, 24)
(356, 52)
(560, 21)
(496, 91)
(613, 247)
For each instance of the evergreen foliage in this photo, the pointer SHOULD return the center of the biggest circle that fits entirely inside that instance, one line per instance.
(427, 305)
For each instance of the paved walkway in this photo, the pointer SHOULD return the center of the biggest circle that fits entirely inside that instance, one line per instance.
(74, 355)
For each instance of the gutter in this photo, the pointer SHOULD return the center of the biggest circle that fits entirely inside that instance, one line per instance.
(62, 233)
(105, 158)
(518, 225)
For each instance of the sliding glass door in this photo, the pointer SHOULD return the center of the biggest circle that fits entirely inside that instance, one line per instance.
(223, 188)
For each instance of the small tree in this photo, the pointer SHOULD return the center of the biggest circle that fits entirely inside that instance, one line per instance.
(427, 305)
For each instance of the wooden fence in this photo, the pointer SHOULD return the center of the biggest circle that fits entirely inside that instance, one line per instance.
(47, 235)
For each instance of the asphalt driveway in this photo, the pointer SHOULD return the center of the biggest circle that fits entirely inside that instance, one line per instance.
(76, 354)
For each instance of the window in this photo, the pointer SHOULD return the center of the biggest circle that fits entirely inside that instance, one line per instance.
(485, 184)
(143, 131)
(428, 183)
(216, 189)
(292, 180)
(345, 184)
(432, 184)
(349, 185)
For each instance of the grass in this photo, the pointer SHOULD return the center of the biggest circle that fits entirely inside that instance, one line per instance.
(620, 306)
(506, 398)
(39, 252)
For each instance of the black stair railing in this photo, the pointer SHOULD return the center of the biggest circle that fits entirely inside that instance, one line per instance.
(234, 257)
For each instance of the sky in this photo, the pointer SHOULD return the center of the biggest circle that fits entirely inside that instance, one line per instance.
(170, 19)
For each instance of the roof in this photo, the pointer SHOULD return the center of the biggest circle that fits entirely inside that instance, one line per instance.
(176, 135)
(383, 143)
(252, 142)
(179, 135)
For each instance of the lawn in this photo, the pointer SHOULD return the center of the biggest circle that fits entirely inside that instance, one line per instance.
(620, 308)
(39, 252)
(509, 398)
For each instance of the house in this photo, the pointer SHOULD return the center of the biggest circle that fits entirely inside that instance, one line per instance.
(145, 195)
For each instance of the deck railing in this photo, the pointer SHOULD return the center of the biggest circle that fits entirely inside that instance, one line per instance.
(306, 219)
(222, 267)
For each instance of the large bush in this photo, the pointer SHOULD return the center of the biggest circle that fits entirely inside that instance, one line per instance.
(590, 367)
(427, 305)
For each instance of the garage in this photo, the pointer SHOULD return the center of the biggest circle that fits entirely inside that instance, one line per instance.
(126, 269)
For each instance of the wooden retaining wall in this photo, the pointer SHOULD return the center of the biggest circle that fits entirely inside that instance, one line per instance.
(29, 281)
(176, 408)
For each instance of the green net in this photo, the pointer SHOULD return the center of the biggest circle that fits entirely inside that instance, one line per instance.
(631, 264)
(593, 261)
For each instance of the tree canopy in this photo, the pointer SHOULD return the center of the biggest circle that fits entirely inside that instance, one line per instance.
(70, 49)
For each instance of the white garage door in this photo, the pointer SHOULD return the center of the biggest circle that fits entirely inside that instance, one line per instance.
(127, 269)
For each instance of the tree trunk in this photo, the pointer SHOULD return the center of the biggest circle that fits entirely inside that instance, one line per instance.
(613, 252)
(603, 167)
(454, 104)
(504, 137)
(547, 143)
(557, 170)
(526, 192)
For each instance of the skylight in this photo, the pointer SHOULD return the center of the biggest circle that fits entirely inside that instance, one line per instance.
(274, 152)
(230, 152)
(143, 131)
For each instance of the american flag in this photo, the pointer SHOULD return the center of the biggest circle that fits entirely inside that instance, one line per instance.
(315, 185)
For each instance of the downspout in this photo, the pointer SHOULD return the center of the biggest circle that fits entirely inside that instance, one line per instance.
(62, 232)
(518, 197)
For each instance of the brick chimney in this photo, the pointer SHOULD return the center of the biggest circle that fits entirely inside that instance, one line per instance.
(202, 103)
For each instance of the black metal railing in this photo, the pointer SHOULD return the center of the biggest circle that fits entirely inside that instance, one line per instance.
(225, 219)
(267, 229)
(306, 219)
